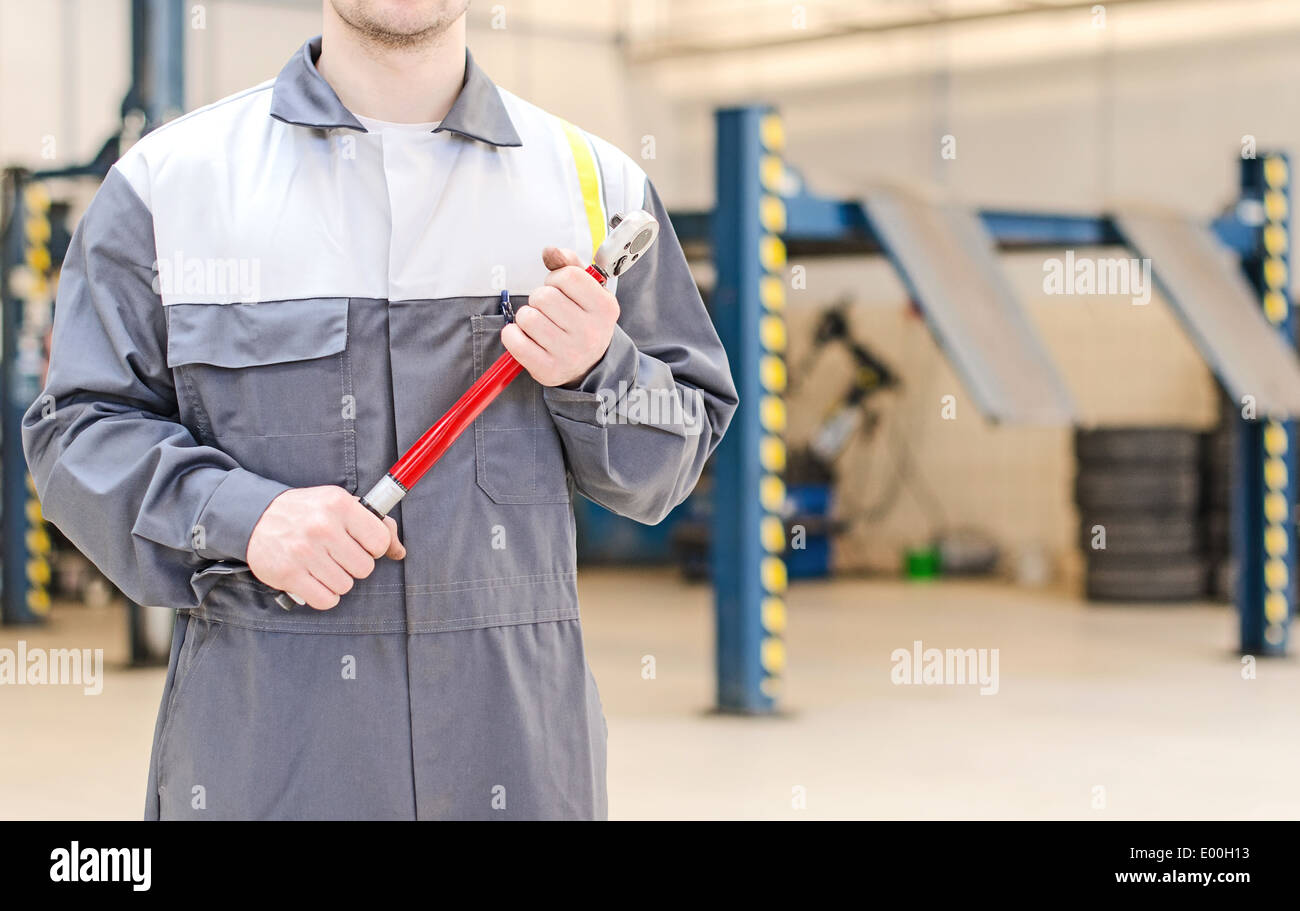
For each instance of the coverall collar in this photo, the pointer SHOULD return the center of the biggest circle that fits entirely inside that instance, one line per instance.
(301, 96)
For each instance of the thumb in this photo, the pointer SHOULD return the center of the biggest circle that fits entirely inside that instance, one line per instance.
(557, 258)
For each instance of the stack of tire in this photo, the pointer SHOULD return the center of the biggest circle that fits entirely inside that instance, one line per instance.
(1138, 491)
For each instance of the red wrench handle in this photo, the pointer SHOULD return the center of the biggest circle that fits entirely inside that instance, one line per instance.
(429, 448)
(434, 443)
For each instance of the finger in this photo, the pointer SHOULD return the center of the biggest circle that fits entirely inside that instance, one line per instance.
(557, 306)
(558, 257)
(329, 574)
(317, 596)
(538, 327)
(534, 358)
(350, 555)
(396, 549)
(581, 288)
(366, 529)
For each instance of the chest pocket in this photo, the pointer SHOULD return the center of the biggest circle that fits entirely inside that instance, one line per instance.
(518, 454)
(270, 384)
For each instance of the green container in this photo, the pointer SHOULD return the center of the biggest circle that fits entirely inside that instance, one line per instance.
(921, 563)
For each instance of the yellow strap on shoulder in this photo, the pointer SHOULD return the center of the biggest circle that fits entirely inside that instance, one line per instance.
(589, 182)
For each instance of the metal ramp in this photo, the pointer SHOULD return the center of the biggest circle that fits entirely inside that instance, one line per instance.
(1203, 284)
(949, 263)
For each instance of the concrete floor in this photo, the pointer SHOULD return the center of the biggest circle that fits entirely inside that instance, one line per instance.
(1147, 703)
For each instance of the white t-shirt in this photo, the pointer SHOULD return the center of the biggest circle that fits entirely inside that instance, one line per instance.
(384, 127)
(415, 161)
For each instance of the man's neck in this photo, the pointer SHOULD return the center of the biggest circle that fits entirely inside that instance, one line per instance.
(402, 85)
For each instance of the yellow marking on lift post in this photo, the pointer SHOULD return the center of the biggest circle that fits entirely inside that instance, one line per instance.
(772, 533)
(771, 332)
(773, 655)
(1275, 540)
(1274, 273)
(1275, 439)
(37, 232)
(1275, 172)
(771, 214)
(1275, 474)
(1275, 574)
(771, 492)
(771, 293)
(771, 373)
(771, 454)
(772, 414)
(1275, 607)
(774, 616)
(1275, 507)
(771, 133)
(1275, 308)
(771, 173)
(772, 377)
(1275, 206)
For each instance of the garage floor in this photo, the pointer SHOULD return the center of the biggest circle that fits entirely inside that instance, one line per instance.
(1149, 705)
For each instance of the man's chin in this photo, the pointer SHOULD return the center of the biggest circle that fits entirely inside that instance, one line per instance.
(397, 25)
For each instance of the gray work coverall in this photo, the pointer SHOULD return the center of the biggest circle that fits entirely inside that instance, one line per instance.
(264, 295)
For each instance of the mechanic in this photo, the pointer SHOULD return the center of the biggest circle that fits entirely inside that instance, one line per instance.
(203, 440)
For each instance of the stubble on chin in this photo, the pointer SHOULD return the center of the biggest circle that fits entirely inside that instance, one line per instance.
(375, 30)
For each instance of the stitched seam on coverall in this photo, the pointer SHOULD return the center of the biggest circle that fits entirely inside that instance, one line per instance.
(179, 689)
(447, 588)
(423, 627)
(350, 445)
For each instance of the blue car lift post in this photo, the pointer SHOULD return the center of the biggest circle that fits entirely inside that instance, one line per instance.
(756, 223)
(25, 252)
(748, 533)
(1264, 492)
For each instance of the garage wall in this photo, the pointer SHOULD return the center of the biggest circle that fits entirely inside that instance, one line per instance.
(561, 54)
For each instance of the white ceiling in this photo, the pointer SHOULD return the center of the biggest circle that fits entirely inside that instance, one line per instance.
(662, 29)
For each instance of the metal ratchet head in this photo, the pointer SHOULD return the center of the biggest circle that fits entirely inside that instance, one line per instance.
(629, 237)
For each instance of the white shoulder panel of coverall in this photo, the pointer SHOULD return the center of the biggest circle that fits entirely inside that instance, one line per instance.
(296, 211)
(290, 213)
(622, 183)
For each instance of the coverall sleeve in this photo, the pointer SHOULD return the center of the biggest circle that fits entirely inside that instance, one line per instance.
(639, 427)
(114, 467)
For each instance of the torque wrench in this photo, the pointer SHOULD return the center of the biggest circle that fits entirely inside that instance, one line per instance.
(628, 239)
